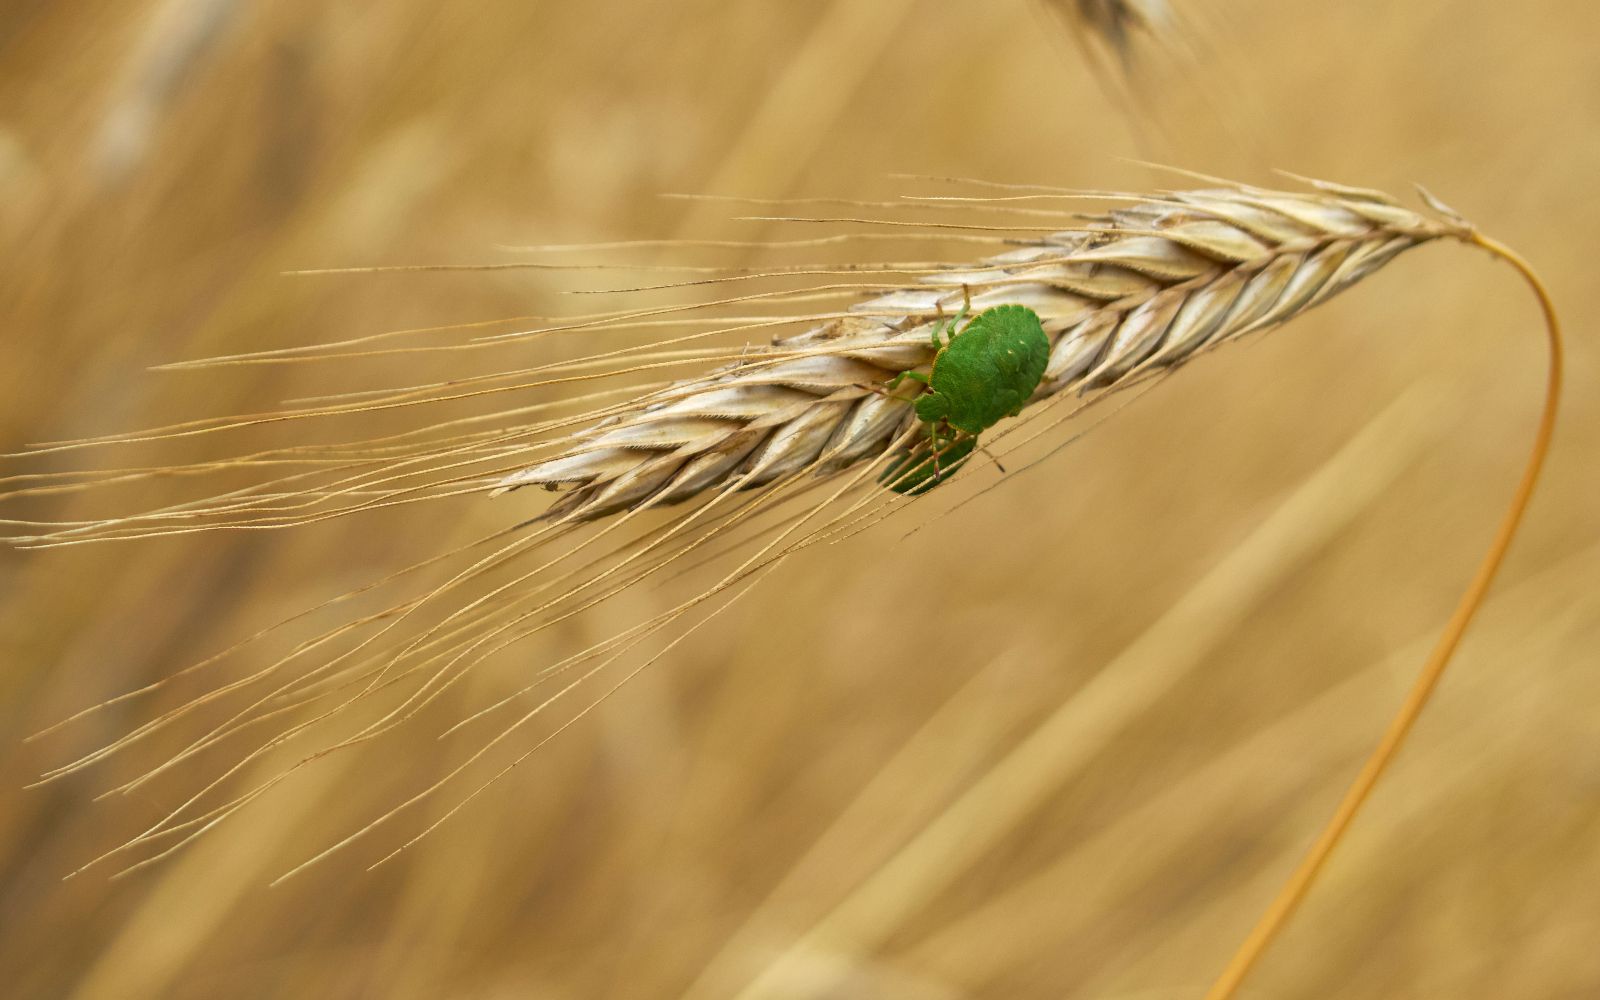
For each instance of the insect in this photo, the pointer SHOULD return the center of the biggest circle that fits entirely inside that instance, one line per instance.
(982, 373)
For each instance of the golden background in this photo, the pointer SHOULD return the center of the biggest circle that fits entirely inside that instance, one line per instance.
(1065, 743)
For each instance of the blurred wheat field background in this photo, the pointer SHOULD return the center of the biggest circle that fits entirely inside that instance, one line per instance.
(1194, 621)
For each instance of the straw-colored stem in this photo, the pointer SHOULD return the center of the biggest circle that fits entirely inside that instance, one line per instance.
(1300, 882)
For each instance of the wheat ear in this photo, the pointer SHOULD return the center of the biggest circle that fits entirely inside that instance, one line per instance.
(1140, 290)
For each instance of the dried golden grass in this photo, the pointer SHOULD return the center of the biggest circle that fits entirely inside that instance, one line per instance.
(1514, 642)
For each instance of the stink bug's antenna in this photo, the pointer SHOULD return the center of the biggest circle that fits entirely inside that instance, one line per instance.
(993, 458)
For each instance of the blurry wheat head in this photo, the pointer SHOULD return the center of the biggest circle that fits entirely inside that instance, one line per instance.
(1116, 40)
(1116, 23)
(706, 483)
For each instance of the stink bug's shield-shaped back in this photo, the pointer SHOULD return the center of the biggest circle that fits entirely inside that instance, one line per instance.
(988, 371)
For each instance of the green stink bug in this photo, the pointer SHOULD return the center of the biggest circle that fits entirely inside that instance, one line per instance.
(983, 373)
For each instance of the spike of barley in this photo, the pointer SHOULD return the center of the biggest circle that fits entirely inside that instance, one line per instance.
(1147, 286)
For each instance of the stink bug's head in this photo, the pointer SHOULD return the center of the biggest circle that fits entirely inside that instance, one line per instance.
(932, 407)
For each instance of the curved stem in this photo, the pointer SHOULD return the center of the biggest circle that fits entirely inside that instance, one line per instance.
(1294, 890)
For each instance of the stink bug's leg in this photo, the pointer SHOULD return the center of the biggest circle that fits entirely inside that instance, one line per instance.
(966, 307)
(938, 324)
(933, 442)
(894, 383)
(993, 459)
